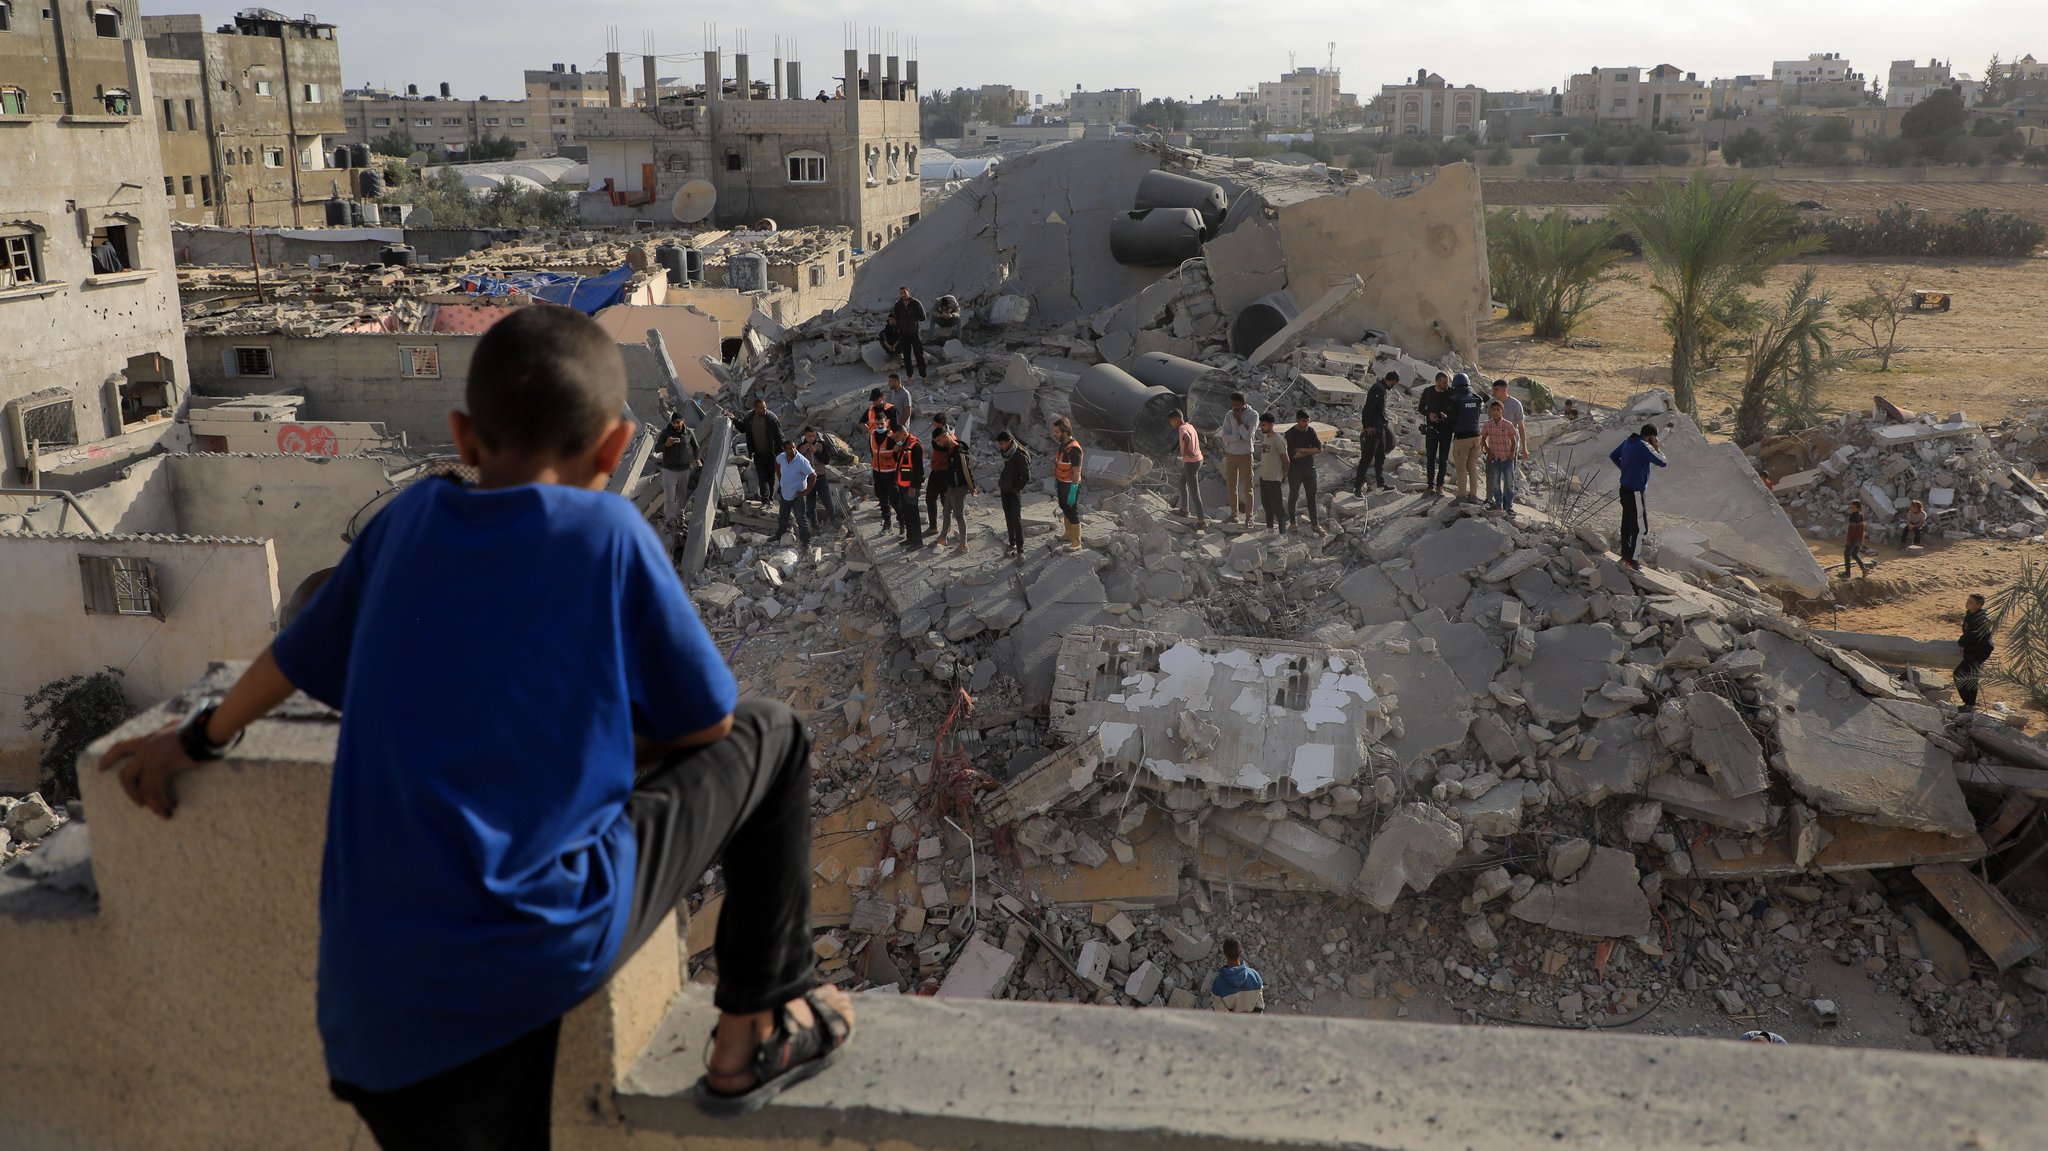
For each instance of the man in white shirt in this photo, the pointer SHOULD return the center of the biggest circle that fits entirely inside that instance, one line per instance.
(1239, 433)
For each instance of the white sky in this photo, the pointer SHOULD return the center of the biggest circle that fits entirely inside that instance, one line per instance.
(1192, 48)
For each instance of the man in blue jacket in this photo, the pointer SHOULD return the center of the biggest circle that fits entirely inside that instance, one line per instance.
(1468, 412)
(1635, 456)
(1237, 987)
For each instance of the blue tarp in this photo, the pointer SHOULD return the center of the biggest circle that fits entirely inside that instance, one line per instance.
(587, 294)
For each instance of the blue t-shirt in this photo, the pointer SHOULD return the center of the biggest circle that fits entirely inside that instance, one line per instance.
(493, 654)
(795, 473)
(1231, 980)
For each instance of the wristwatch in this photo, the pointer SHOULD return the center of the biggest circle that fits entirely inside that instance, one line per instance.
(192, 733)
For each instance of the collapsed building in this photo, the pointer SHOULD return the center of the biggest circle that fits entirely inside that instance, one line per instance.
(1437, 756)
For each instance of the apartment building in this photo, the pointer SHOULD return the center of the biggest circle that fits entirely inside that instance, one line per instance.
(552, 97)
(1110, 106)
(88, 291)
(1300, 99)
(268, 103)
(436, 122)
(1431, 107)
(1665, 94)
(1749, 95)
(1218, 113)
(1822, 80)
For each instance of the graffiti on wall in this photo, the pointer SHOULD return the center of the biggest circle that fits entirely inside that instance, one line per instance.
(308, 440)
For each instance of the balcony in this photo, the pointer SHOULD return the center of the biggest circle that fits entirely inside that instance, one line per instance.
(176, 1011)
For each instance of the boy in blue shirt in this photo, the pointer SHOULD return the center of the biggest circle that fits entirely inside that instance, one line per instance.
(1237, 986)
(1635, 456)
(506, 657)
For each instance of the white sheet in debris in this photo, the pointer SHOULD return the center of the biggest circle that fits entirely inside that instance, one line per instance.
(1315, 767)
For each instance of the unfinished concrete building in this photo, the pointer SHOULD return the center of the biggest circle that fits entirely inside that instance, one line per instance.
(732, 158)
(88, 303)
(269, 105)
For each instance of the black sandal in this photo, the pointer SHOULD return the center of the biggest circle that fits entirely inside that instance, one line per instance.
(788, 1056)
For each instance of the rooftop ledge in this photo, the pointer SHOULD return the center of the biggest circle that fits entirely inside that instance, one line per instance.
(187, 994)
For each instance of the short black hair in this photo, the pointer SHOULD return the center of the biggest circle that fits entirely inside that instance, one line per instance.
(1973, 597)
(939, 420)
(1237, 397)
(1393, 375)
(675, 417)
(874, 393)
(761, 401)
(1301, 413)
(1266, 417)
(893, 376)
(1649, 431)
(545, 380)
(1233, 951)
(1500, 383)
(1177, 414)
(1004, 436)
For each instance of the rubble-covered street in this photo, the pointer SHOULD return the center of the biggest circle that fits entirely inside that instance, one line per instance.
(1438, 763)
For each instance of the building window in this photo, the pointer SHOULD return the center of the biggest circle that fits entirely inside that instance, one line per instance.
(170, 121)
(49, 425)
(678, 162)
(227, 157)
(382, 122)
(170, 186)
(817, 275)
(120, 585)
(419, 363)
(113, 247)
(13, 100)
(248, 157)
(6, 16)
(206, 191)
(842, 263)
(311, 93)
(306, 157)
(191, 116)
(250, 361)
(423, 122)
(188, 185)
(116, 101)
(452, 121)
(106, 22)
(349, 121)
(263, 87)
(519, 121)
(273, 157)
(490, 121)
(18, 261)
(806, 168)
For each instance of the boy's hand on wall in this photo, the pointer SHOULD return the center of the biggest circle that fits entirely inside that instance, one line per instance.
(147, 765)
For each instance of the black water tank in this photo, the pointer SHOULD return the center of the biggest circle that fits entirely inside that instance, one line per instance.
(671, 257)
(370, 182)
(1109, 399)
(1155, 237)
(397, 256)
(1163, 189)
(355, 214)
(341, 157)
(1261, 320)
(337, 213)
(358, 155)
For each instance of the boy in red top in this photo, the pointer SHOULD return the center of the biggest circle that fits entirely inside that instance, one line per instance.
(1188, 446)
(1852, 544)
(1500, 439)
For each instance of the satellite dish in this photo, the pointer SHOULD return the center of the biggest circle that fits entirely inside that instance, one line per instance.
(694, 201)
(417, 159)
(420, 218)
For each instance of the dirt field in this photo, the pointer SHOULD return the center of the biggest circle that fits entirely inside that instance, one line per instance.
(1846, 198)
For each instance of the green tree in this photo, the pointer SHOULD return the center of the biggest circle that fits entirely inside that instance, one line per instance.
(1414, 152)
(489, 147)
(1787, 350)
(1993, 93)
(1935, 117)
(1832, 130)
(1499, 156)
(1548, 269)
(1874, 317)
(1456, 150)
(70, 713)
(1168, 113)
(1705, 241)
(396, 142)
(1555, 154)
(1788, 135)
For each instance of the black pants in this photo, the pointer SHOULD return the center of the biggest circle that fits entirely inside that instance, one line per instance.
(907, 517)
(1969, 675)
(885, 495)
(1436, 456)
(932, 494)
(1635, 517)
(744, 800)
(1372, 456)
(798, 509)
(764, 471)
(1269, 498)
(1299, 476)
(1853, 553)
(912, 345)
(820, 505)
(1911, 536)
(1190, 488)
(1013, 518)
(1068, 497)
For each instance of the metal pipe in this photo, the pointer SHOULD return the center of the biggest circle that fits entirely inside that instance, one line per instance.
(70, 501)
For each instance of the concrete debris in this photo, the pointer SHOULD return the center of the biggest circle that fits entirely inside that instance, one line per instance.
(1605, 900)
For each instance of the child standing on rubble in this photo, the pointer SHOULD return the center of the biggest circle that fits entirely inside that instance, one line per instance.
(1852, 543)
(514, 811)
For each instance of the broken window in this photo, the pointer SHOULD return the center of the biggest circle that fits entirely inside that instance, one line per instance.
(106, 21)
(116, 101)
(734, 162)
(248, 157)
(250, 360)
(112, 248)
(419, 363)
(817, 275)
(120, 585)
(679, 162)
(18, 261)
(48, 425)
(874, 163)
(13, 100)
(806, 167)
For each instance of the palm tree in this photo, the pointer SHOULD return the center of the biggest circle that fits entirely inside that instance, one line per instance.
(1788, 349)
(1787, 130)
(1547, 268)
(1706, 240)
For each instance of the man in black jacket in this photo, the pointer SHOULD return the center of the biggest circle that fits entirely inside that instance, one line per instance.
(676, 451)
(908, 313)
(1010, 485)
(1977, 648)
(764, 439)
(1435, 406)
(1374, 435)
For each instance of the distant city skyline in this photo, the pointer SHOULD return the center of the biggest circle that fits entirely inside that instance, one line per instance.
(1197, 49)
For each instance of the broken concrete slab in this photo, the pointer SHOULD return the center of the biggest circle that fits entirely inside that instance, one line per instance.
(1311, 315)
(1983, 911)
(1441, 714)
(1852, 846)
(1413, 847)
(978, 972)
(1723, 744)
(1848, 755)
(1695, 797)
(1474, 655)
(1459, 550)
(1570, 664)
(1300, 848)
(1605, 900)
(1370, 593)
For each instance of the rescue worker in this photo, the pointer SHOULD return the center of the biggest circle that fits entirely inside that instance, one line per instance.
(879, 420)
(1068, 456)
(909, 459)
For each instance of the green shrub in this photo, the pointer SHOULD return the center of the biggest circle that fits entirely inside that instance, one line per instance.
(70, 713)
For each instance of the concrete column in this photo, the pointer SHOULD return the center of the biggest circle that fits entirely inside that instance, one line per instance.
(853, 95)
(910, 79)
(796, 78)
(891, 88)
(652, 78)
(742, 75)
(874, 91)
(714, 78)
(615, 84)
(776, 80)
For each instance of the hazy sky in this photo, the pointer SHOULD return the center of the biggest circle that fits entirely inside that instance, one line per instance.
(1192, 48)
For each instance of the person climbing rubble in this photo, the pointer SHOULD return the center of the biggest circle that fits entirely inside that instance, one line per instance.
(680, 465)
(1635, 456)
(795, 481)
(763, 433)
(1239, 433)
(1068, 457)
(1237, 988)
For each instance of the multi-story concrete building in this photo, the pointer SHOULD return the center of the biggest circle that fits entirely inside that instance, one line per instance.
(552, 97)
(270, 106)
(1431, 107)
(1662, 95)
(88, 290)
(1907, 83)
(849, 163)
(1822, 80)
(995, 97)
(1747, 95)
(436, 122)
(1223, 112)
(1300, 99)
(1025, 133)
(188, 154)
(1110, 106)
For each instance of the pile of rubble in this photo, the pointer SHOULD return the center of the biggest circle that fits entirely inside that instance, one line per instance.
(1974, 482)
(45, 857)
